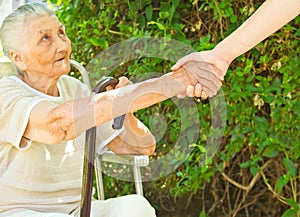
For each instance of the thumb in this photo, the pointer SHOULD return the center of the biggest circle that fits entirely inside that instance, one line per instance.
(123, 81)
(176, 66)
(188, 58)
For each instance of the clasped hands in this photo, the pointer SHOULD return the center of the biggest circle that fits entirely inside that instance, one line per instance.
(201, 73)
(206, 72)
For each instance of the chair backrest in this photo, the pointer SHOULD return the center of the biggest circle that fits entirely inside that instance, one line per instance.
(82, 71)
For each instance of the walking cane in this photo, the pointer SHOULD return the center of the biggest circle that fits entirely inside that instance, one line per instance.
(89, 151)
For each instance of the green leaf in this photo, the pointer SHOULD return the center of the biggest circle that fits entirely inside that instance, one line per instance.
(141, 20)
(290, 167)
(240, 73)
(290, 213)
(245, 164)
(297, 33)
(175, 2)
(203, 214)
(204, 169)
(254, 170)
(164, 14)
(160, 26)
(171, 12)
(293, 203)
(276, 82)
(149, 12)
(233, 18)
(202, 149)
(179, 174)
(95, 41)
(271, 151)
(280, 183)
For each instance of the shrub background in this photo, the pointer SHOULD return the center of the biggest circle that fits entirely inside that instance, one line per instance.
(256, 170)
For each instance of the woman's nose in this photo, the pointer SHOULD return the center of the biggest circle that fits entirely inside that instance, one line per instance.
(61, 44)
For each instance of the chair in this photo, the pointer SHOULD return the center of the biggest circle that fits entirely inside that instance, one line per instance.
(135, 161)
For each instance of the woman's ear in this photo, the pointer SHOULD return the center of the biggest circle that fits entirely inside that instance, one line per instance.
(17, 58)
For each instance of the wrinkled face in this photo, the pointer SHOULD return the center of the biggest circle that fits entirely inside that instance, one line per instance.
(46, 49)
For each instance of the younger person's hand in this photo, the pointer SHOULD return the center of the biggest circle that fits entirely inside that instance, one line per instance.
(209, 70)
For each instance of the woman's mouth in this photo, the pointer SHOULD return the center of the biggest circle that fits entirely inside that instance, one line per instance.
(61, 59)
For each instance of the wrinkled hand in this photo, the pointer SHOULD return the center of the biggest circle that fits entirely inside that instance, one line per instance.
(123, 81)
(207, 68)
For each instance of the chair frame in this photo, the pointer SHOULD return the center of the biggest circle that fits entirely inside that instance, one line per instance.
(135, 161)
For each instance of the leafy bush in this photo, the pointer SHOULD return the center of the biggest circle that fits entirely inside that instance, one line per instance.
(256, 169)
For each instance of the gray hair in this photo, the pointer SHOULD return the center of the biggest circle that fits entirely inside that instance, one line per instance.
(15, 21)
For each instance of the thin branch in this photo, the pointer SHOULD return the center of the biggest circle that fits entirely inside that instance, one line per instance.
(278, 196)
(240, 186)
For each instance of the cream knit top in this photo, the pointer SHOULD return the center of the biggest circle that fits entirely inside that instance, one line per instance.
(38, 176)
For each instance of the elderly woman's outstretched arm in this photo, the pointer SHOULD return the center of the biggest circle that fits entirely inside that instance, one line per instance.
(50, 124)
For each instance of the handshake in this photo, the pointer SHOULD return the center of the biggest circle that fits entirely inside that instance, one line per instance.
(199, 74)
(203, 74)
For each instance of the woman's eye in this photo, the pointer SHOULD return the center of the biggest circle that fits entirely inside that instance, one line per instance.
(62, 33)
(45, 38)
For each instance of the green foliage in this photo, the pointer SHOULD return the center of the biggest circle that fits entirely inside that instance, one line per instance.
(261, 91)
(203, 214)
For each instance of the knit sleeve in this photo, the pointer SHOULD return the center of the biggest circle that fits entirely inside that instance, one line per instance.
(15, 106)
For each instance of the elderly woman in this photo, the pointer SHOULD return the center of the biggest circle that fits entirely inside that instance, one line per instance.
(44, 114)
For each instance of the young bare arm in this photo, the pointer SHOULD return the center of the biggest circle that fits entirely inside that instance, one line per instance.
(50, 123)
(267, 19)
